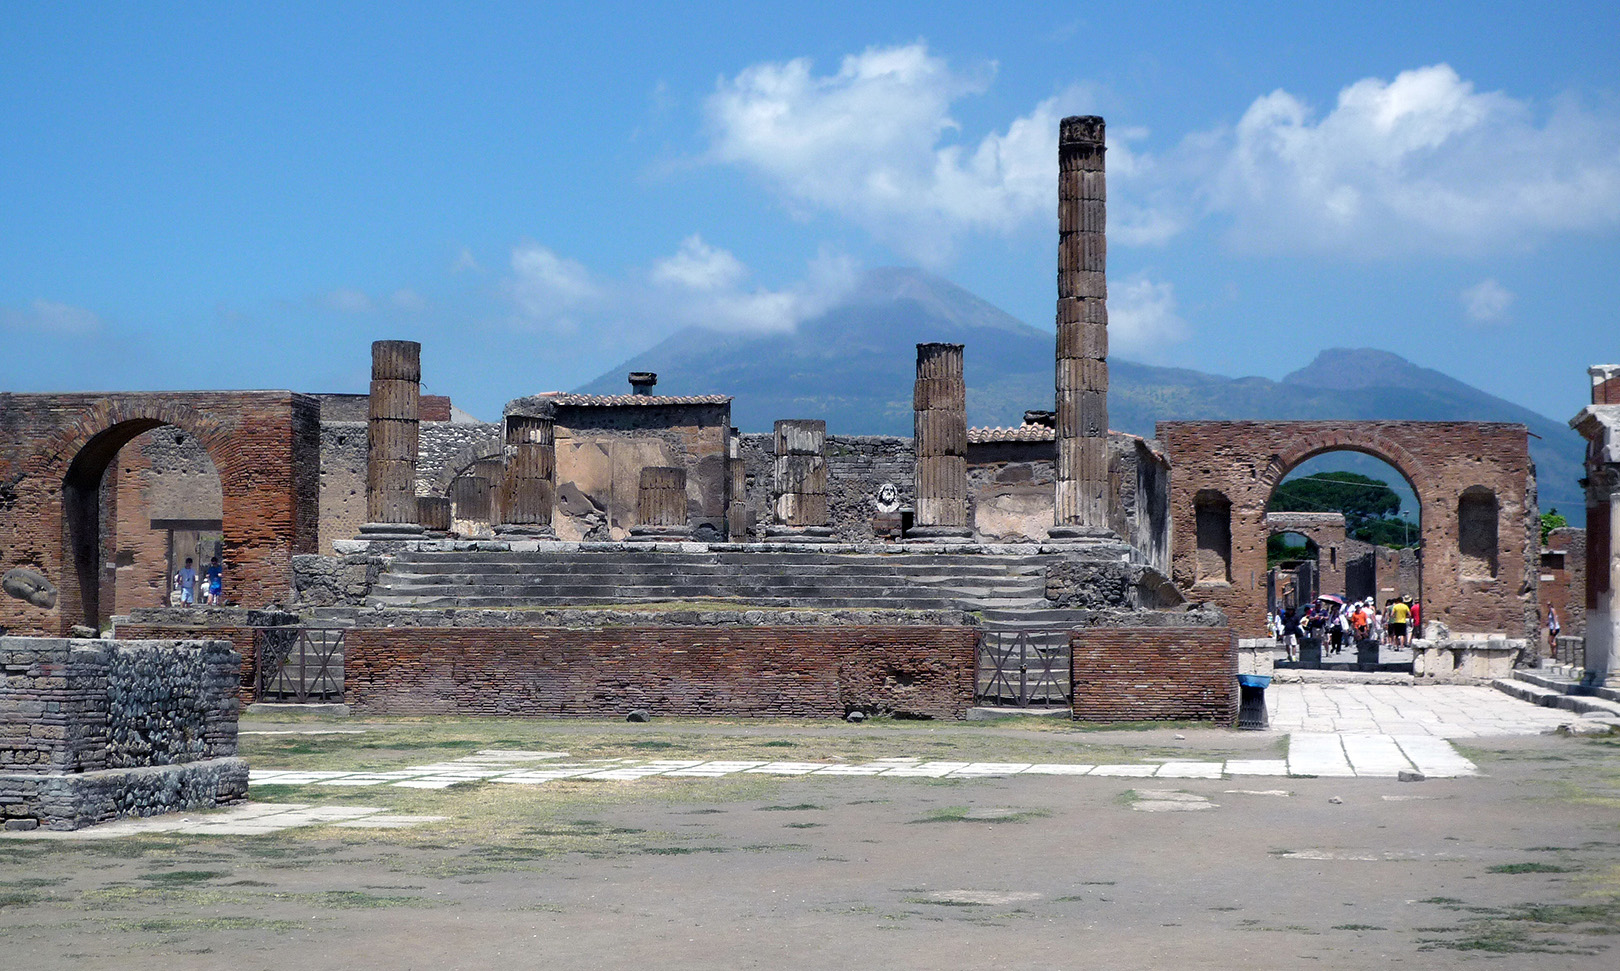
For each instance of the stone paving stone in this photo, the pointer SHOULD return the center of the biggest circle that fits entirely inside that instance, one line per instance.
(1374, 755)
(787, 768)
(715, 769)
(1434, 756)
(925, 770)
(1189, 770)
(1042, 768)
(389, 821)
(1320, 755)
(980, 769)
(1257, 767)
(1125, 770)
(870, 768)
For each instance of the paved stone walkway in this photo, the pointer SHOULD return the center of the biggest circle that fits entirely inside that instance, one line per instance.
(1443, 711)
(252, 819)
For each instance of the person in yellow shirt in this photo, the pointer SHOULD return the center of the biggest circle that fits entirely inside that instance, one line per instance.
(1400, 615)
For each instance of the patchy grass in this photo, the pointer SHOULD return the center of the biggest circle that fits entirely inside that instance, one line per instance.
(1526, 868)
(180, 878)
(966, 814)
(790, 809)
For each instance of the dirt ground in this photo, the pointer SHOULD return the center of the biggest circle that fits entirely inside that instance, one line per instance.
(1519, 867)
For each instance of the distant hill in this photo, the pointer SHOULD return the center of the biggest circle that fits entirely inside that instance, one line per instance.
(854, 366)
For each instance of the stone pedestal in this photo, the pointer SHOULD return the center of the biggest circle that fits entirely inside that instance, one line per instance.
(527, 490)
(800, 482)
(939, 402)
(1081, 497)
(392, 427)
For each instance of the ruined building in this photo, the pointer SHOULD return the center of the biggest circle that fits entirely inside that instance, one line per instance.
(593, 553)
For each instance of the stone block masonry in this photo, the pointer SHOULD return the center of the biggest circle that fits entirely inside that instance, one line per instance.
(775, 672)
(1154, 673)
(95, 729)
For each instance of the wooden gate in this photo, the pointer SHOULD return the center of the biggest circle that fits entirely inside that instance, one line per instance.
(1024, 668)
(299, 664)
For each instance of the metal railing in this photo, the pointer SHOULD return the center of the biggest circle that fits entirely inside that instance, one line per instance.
(1023, 668)
(299, 664)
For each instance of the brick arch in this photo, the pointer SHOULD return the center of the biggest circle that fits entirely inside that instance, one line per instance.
(1247, 460)
(54, 449)
(466, 457)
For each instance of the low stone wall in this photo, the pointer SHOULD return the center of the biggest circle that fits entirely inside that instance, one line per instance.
(1154, 673)
(1467, 660)
(1570, 650)
(814, 672)
(334, 581)
(94, 729)
(207, 623)
(1257, 655)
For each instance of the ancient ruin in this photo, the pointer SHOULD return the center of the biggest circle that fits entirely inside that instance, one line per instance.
(589, 554)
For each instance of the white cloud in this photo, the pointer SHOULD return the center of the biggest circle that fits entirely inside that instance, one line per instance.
(1487, 302)
(348, 301)
(1422, 163)
(1142, 317)
(49, 317)
(871, 143)
(408, 300)
(698, 285)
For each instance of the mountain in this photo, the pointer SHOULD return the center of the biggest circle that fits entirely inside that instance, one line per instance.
(854, 365)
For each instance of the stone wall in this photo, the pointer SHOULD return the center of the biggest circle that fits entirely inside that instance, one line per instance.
(1154, 673)
(801, 672)
(85, 724)
(1563, 579)
(55, 448)
(162, 481)
(1449, 465)
(1467, 661)
(445, 450)
(343, 480)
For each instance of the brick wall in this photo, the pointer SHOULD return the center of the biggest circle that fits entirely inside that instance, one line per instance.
(1243, 461)
(1154, 673)
(1563, 581)
(806, 672)
(54, 449)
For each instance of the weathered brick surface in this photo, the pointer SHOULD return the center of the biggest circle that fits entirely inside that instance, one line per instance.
(1244, 461)
(1563, 582)
(264, 444)
(818, 672)
(1153, 673)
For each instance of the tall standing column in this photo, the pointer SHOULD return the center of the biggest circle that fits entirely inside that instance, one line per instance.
(392, 431)
(800, 482)
(1599, 424)
(527, 490)
(737, 490)
(661, 507)
(939, 401)
(1081, 499)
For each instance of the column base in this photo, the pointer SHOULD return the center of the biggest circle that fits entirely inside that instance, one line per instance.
(1081, 534)
(939, 534)
(799, 534)
(524, 531)
(659, 534)
(391, 531)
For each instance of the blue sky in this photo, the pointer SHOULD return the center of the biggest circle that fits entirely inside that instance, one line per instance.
(216, 195)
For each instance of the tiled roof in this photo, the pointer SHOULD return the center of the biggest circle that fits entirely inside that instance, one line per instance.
(646, 400)
(1017, 433)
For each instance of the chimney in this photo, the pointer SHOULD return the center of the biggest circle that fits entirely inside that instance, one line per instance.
(641, 382)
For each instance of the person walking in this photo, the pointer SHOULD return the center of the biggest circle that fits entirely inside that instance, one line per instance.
(215, 582)
(1552, 631)
(186, 582)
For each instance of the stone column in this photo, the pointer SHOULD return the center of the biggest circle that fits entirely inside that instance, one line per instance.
(661, 506)
(800, 483)
(392, 427)
(1599, 424)
(434, 512)
(472, 502)
(1081, 499)
(527, 490)
(737, 486)
(939, 400)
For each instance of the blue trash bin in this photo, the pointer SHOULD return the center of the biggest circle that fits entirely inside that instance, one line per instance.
(1252, 707)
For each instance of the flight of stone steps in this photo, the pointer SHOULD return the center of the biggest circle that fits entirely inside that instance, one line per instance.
(805, 580)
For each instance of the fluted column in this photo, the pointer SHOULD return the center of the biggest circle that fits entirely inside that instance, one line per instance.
(661, 512)
(392, 431)
(939, 401)
(737, 490)
(1081, 499)
(527, 489)
(800, 482)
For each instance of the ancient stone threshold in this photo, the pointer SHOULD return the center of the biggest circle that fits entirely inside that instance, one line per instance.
(1101, 552)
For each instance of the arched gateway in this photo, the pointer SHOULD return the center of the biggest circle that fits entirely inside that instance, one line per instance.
(55, 448)
(1474, 481)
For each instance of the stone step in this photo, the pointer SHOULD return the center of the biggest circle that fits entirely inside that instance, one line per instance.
(1553, 698)
(850, 603)
(1543, 678)
(807, 555)
(723, 579)
(605, 568)
(571, 586)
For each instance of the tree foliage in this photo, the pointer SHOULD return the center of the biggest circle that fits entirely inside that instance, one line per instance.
(1551, 520)
(1369, 506)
